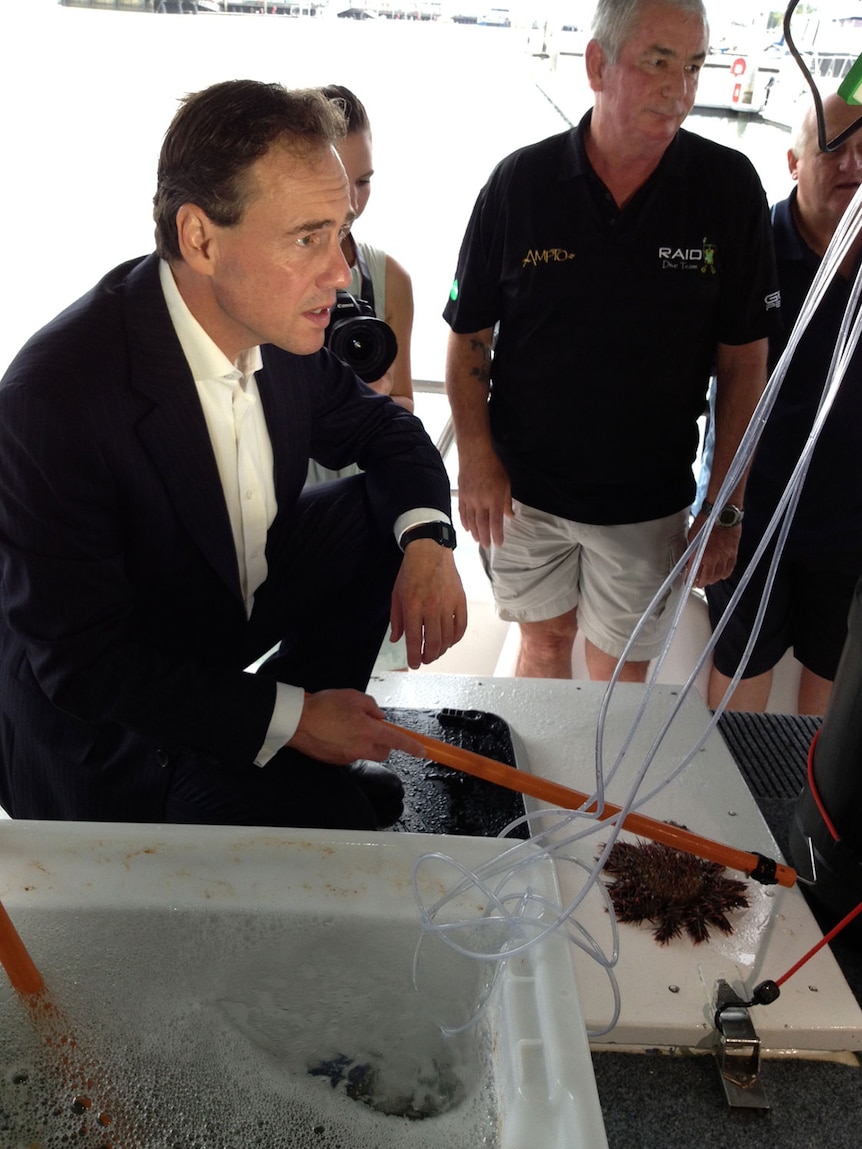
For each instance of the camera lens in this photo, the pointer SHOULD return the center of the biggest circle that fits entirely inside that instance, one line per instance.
(366, 344)
(359, 338)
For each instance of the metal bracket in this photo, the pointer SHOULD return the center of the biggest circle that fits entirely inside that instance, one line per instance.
(806, 867)
(738, 1051)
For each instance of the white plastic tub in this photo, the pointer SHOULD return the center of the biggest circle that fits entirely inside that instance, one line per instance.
(218, 988)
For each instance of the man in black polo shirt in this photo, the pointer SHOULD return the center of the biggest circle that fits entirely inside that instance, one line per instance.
(822, 556)
(612, 268)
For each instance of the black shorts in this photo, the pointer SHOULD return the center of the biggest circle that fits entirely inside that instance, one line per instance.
(807, 612)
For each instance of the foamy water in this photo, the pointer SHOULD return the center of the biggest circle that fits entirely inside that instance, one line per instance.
(195, 1031)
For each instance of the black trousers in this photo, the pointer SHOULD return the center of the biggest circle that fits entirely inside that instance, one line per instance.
(331, 604)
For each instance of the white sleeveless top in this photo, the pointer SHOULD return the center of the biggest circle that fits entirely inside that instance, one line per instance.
(375, 260)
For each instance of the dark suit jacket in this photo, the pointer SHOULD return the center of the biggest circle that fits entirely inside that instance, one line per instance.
(123, 633)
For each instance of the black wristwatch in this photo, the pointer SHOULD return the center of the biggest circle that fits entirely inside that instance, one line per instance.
(728, 516)
(442, 533)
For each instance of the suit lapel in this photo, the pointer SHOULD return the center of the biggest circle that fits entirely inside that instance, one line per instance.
(174, 432)
(283, 386)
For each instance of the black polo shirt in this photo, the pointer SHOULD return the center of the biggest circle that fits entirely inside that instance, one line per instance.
(829, 516)
(609, 320)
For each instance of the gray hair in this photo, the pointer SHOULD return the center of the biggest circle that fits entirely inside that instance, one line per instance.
(614, 20)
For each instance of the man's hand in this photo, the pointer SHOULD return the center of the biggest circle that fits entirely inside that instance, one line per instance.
(719, 556)
(484, 495)
(340, 726)
(428, 603)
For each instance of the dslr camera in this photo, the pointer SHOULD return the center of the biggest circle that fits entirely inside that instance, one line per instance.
(359, 338)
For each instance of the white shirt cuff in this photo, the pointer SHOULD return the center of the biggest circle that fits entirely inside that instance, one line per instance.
(416, 517)
(286, 714)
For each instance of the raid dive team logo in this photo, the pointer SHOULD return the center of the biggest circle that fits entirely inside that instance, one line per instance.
(700, 258)
(535, 258)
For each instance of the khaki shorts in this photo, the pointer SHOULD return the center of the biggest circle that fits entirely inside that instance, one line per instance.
(547, 566)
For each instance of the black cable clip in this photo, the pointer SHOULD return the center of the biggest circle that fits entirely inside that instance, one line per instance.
(764, 993)
(765, 871)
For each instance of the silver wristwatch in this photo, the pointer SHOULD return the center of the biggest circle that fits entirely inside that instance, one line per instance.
(728, 516)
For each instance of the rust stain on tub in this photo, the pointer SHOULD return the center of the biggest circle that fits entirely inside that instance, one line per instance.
(343, 892)
(310, 847)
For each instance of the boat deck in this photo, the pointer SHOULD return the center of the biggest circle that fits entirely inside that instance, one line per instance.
(659, 1101)
(660, 1096)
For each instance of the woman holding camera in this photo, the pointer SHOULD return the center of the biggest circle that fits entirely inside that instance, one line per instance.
(390, 287)
(374, 273)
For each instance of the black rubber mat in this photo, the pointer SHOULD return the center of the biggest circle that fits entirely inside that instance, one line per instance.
(771, 750)
(439, 800)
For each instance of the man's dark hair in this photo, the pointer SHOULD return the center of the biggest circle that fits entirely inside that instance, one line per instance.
(217, 135)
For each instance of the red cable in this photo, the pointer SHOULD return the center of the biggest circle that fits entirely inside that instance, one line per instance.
(848, 918)
(814, 792)
(845, 921)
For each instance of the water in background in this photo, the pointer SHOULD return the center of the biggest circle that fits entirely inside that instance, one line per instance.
(87, 94)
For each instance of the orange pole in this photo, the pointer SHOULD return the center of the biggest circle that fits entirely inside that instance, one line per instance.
(15, 959)
(565, 798)
(52, 1025)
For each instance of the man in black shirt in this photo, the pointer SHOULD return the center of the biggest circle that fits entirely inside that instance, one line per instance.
(612, 268)
(822, 557)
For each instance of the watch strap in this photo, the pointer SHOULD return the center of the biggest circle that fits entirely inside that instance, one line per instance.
(440, 532)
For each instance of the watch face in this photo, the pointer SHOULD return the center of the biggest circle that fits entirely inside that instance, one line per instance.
(441, 533)
(730, 516)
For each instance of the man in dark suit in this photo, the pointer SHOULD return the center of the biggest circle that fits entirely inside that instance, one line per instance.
(155, 537)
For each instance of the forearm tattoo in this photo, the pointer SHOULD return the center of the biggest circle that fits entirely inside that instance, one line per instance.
(482, 370)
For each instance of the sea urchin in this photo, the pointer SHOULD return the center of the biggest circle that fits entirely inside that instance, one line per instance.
(675, 891)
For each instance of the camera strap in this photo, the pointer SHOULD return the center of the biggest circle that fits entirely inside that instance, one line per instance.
(366, 288)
